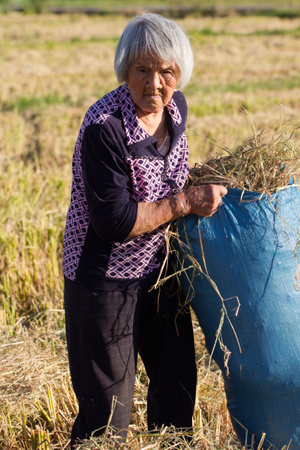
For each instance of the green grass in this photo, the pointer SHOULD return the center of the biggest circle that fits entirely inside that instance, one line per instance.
(199, 34)
(33, 103)
(204, 3)
(283, 8)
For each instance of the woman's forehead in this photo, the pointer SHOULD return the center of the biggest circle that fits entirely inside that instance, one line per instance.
(152, 61)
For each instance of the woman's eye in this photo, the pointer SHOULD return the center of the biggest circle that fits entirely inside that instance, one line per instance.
(167, 75)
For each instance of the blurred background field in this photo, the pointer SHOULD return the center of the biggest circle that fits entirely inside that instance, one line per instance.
(178, 7)
(53, 67)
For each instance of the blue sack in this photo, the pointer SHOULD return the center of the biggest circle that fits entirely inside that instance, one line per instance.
(240, 271)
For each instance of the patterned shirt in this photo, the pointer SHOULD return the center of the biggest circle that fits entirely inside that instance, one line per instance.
(116, 164)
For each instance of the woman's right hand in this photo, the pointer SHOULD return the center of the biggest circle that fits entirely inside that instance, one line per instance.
(204, 200)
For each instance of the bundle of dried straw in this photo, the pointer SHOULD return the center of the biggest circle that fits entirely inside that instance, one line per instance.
(265, 163)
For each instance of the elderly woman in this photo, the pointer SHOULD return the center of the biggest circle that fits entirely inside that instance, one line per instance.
(130, 165)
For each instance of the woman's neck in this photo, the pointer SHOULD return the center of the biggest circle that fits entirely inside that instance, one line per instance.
(155, 125)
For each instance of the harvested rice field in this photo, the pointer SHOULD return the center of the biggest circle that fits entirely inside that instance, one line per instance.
(53, 67)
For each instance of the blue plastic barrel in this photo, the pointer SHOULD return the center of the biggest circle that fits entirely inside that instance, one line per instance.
(240, 271)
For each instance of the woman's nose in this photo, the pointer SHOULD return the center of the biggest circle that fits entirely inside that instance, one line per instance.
(154, 80)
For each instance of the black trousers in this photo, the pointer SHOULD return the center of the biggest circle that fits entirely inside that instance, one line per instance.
(105, 331)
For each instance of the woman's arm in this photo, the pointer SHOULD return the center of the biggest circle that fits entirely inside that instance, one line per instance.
(114, 215)
(107, 184)
(200, 200)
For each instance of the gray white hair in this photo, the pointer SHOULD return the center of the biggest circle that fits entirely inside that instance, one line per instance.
(157, 36)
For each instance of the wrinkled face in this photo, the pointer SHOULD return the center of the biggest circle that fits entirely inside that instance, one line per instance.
(152, 83)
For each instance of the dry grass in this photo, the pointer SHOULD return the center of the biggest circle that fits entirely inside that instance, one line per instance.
(38, 404)
(37, 401)
(265, 163)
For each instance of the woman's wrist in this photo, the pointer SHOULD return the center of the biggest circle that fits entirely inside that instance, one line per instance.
(181, 204)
